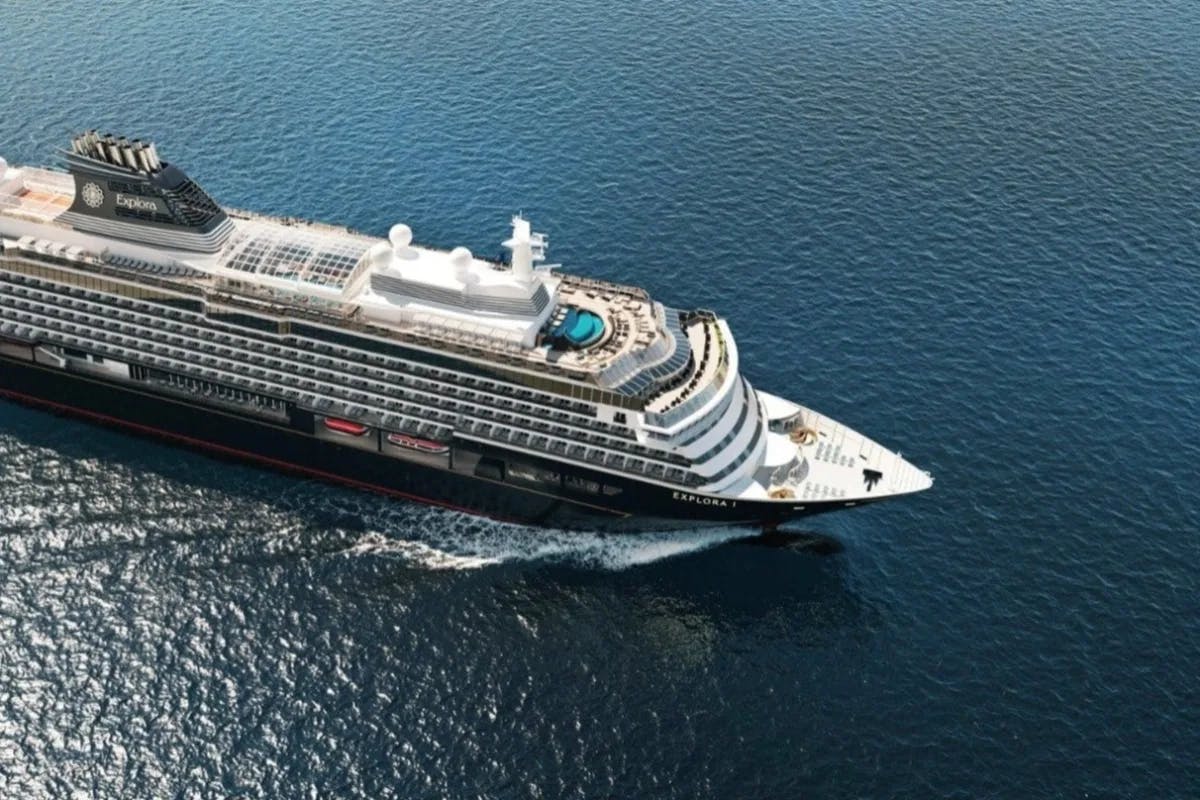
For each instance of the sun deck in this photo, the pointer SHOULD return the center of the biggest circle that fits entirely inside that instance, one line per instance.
(317, 256)
(290, 261)
(37, 195)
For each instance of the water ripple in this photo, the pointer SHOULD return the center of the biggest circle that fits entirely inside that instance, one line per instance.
(967, 228)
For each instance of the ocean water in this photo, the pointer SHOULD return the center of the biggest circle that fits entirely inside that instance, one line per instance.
(970, 229)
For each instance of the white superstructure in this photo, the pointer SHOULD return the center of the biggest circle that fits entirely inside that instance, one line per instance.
(654, 391)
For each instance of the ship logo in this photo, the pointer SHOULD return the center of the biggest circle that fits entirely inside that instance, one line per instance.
(871, 477)
(92, 195)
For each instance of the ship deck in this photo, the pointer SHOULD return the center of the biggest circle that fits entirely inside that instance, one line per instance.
(37, 195)
(322, 262)
(325, 260)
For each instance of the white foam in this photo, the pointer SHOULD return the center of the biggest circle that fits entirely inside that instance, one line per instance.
(437, 539)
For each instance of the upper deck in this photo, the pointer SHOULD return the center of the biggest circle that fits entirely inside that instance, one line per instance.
(301, 264)
(504, 313)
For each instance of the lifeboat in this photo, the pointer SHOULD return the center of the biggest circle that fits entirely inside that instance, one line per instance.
(345, 426)
(420, 445)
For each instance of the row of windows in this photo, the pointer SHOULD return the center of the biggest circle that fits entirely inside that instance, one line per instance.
(316, 332)
(219, 391)
(96, 283)
(740, 460)
(449, 371)
(544, 383)
(734, 430)
(146, 339)
(699, 428)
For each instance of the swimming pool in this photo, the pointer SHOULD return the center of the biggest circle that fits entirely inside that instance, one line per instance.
(580, 327)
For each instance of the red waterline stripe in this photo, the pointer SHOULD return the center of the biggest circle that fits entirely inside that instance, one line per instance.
(243, 453)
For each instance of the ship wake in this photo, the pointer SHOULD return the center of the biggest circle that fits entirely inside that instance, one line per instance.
(444, 540)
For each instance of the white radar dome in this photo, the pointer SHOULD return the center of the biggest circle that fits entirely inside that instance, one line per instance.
(400, 236)
(460, 258)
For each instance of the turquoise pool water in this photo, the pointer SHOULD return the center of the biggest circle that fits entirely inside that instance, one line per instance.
(581, 328)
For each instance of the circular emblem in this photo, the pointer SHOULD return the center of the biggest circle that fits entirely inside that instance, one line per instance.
(92, 195)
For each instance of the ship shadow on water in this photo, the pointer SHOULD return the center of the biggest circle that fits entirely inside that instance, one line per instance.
(818, 544)
(691, 607)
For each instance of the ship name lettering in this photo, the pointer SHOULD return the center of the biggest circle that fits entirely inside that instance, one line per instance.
(701, 500)
(137, 203)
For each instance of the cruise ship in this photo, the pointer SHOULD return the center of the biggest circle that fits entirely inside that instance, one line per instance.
(503, 387)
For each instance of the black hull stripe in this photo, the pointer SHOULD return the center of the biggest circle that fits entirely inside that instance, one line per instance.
(637, 506)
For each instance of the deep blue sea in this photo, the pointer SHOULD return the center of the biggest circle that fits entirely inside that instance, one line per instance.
(970, 229)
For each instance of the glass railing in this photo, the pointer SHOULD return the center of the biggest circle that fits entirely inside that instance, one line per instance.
(689, 404)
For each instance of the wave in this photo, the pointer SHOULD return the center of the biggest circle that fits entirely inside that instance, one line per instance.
(437, 539)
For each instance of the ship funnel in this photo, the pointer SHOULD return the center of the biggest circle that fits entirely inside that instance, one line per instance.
(201, 224)
(136, 155)
(129, 157)
(139, 152)
(110, 151)
(89, 143)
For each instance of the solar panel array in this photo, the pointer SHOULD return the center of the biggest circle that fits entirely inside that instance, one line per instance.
(316, 256)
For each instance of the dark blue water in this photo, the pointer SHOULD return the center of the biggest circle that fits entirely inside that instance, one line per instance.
(971, 229)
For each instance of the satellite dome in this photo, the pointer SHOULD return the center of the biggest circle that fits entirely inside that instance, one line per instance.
(400, 236)
(460, 258)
